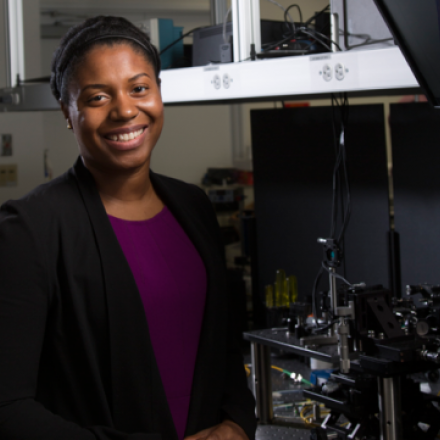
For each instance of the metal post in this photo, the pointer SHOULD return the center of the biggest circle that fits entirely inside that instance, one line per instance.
(261, 382)
(219, 9)
(333, 298)
(14, 41)
(344, 352)
(246, 27)
(390, 408)
(334, 31)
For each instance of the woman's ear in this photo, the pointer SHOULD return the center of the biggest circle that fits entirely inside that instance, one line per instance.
(65, 110)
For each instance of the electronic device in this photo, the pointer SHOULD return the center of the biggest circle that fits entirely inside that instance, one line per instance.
(415, 27)
(213, 44)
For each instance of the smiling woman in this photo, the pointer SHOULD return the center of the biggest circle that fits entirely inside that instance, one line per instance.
(113, 312)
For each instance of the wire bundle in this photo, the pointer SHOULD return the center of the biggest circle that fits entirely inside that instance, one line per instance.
(341, 199)
(304, 29)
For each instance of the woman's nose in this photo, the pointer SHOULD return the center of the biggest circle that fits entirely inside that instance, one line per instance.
(124, 108)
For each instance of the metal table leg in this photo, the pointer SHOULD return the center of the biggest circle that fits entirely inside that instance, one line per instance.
(261, 382)
(390, 408)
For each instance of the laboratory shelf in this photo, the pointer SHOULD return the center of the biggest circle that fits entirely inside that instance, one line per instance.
(363, 72)
(360, 73)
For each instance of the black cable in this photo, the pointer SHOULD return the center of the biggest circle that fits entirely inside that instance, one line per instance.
(341, 188)
(336, 275)
(315, 287)
(347, 184)
(310, 32)
(368, 43)
(326, 327)
(341, 169)
(305, 31)
(323, 36)
(335, 179)
(347, 213)
(299, 12)
(314, 17)
(180, 38)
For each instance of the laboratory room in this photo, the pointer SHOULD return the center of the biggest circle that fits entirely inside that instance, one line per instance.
(219, 220)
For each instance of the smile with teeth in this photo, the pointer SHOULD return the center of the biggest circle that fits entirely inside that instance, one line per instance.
(126, 136)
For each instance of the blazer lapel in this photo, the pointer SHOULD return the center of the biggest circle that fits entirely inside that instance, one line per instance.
(138, 397)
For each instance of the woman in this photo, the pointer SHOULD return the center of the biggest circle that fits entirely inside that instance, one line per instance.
(113, 314)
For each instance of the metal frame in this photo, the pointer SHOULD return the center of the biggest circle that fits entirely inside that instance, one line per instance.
(246, 28)
(14, 41)
(219, 8)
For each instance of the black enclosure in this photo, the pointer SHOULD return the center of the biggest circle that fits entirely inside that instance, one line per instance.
(293, 155)
(415, 25)
(415, 131)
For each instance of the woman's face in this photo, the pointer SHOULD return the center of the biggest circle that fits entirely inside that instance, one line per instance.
(115, 108)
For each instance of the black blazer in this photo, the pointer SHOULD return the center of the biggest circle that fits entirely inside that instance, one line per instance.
(76, 360)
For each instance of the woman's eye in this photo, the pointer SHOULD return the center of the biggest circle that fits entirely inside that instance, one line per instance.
(97, 98)
(139, 89)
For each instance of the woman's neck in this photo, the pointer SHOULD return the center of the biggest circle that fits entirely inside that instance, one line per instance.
(129, 194)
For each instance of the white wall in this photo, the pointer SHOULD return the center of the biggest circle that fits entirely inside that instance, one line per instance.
(26, 128)
(193, 139)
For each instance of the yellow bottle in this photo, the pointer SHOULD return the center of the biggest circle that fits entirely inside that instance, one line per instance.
(280, 281)
(269, 296)
(293, 289)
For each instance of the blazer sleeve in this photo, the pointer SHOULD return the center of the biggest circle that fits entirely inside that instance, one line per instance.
(25, 291)
(238, 402)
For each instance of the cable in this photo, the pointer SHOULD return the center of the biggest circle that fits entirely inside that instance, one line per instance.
(280, 369)
(368, 43)
(340, 194)
(322, 329)
(224, 25)
(314, 17)
(323, 36)
(304, 31)
(318, 36)
(248, 371)
(284, 9)
(315, 287)
(180, 38)
(336, 275)
(341, 158)
(291, 375)
(299, 12)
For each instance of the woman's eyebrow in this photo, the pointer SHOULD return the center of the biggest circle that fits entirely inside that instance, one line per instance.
(93, 86)
(138, 76)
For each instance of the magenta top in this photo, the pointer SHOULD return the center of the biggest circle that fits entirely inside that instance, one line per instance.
(171, 279)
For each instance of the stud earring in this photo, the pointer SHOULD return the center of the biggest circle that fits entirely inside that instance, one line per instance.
(69, 125)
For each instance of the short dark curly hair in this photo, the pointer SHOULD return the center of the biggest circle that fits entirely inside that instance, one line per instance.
(104, 30)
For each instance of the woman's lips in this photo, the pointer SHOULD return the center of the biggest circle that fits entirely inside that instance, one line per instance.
(126, 139)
